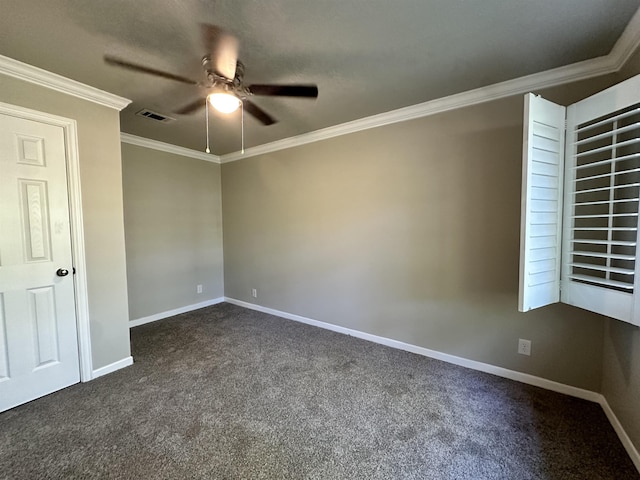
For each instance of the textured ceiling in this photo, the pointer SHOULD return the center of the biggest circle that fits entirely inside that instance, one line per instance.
(366, 56)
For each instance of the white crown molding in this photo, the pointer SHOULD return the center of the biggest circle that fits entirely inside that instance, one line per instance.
(167, 147)
(611, 63)
(627, 43)
(29, 73)
(558, 76)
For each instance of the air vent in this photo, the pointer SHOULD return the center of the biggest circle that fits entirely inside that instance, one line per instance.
(158, 117)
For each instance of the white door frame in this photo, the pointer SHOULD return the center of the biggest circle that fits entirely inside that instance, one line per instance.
(69, 126)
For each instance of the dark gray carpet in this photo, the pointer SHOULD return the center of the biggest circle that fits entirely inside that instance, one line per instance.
(228, 393)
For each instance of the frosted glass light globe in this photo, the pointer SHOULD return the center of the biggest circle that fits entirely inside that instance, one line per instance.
(224, 102)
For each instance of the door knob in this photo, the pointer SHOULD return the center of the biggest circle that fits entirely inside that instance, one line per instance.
(62, 272)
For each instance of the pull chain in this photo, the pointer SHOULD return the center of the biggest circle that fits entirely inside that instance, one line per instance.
(242, 123)
(206, 114)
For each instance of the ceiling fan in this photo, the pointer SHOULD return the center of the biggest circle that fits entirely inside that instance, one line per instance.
(223, 78)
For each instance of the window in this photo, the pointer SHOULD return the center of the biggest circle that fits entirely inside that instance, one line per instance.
(580, 203)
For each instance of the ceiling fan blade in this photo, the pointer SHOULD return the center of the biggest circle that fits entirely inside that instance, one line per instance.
(306, 91)
(192, 107)
(252, 109)
(222, 48)
(151, 71)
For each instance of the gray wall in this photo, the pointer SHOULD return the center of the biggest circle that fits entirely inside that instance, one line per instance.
(101, 180)
(173, 229)
(408, 231)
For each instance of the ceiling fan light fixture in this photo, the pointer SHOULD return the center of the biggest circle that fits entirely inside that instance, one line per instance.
(224, 102)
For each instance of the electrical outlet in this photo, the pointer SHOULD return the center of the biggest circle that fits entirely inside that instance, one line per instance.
(524, 347)
(254, 293)
(199, 289)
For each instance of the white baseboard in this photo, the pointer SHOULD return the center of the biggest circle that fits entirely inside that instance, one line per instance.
(464, 362)
(112, 367)
(445, 357)
(177, 311)
(622, 435)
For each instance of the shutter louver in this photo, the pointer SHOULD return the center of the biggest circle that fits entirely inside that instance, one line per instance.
(606, 187)
(541, 223)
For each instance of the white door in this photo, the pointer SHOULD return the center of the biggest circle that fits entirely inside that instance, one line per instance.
(38, 339)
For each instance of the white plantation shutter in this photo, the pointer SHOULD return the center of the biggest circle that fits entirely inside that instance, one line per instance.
(602, 190)
(541, 222)
(596, 219)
